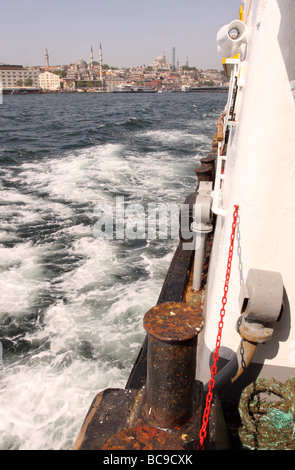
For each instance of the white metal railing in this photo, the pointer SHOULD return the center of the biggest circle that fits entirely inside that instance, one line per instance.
(219, 177)
(228, 118)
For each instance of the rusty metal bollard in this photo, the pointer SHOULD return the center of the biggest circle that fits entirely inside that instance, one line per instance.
(205, 172)
(142, 438)
(172, 329)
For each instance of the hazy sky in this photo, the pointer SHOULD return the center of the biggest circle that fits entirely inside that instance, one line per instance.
(132, 32)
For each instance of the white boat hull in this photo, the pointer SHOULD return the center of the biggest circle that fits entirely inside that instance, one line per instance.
(259, 176)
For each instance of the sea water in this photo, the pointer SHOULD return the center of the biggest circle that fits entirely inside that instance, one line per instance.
(72, 303)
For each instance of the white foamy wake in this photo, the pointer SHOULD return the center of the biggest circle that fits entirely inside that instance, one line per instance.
(21, 278)
(93, 339)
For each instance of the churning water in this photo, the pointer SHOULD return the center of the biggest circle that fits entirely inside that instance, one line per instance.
(72, 304)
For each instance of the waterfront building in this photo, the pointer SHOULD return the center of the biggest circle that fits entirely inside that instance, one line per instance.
(112, 80)
(17, 76)
(49, 81)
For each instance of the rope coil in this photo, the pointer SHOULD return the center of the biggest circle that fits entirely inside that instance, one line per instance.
(267, 412)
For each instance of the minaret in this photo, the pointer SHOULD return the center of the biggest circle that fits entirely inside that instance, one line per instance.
(91, 58)
(173, 58)
(100, 62)
(46, 60)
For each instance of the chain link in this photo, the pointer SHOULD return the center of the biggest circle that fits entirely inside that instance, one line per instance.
(211, 384)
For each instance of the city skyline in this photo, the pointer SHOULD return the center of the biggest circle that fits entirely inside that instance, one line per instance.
(131, 33)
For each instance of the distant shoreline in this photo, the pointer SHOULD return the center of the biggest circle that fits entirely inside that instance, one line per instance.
(29, 91)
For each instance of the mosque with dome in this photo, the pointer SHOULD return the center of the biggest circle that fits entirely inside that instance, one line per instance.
(160, 63)
(83, 72)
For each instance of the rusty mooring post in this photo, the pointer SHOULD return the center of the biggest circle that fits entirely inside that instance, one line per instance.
(171, 362)
(205, 172)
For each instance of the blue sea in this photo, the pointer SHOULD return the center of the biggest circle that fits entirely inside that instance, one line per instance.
(72, 303)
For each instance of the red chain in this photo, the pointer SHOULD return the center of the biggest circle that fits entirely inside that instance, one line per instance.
(203, 430)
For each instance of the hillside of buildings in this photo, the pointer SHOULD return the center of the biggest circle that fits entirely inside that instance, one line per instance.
(96, 76)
